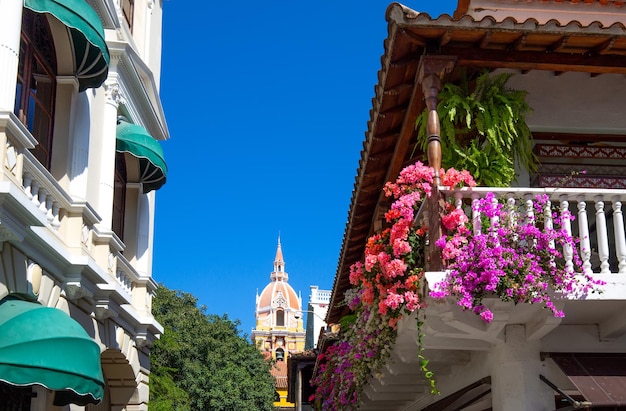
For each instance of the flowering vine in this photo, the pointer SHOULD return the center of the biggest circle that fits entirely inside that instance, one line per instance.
(515, 256)
(386, 286)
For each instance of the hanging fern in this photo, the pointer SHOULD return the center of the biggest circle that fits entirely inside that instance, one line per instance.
(483, 131)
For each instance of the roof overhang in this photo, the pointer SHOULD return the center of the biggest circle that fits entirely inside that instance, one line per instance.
(599, 377)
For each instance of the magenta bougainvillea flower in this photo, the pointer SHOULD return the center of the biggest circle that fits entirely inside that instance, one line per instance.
(515, 255)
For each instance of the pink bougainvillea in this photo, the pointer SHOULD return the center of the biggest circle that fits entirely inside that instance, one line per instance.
(386, 286)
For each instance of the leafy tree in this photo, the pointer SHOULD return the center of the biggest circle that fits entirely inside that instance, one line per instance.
(202, 363)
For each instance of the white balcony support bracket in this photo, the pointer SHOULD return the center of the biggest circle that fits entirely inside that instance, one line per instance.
(75, 290)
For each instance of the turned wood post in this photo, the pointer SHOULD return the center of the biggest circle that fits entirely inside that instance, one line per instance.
(432, 70)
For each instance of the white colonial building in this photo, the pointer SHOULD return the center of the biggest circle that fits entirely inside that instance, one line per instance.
(80, 116)
(316, 312)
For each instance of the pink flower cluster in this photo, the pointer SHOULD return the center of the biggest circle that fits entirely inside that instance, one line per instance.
(386, 286)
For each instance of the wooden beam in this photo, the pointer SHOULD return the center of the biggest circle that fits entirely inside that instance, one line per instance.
(559, 45)
(420, 41)
(605, 47)
(538, 60)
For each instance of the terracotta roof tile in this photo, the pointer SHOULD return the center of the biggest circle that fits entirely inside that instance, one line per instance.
(279, 369)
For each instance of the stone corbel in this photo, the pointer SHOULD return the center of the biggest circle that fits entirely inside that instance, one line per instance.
(8, 234)
(141, 338)
(74, 290)
(102, 309)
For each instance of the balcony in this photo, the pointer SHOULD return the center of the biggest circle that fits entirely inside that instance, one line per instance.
(464, 349)
(40, 213)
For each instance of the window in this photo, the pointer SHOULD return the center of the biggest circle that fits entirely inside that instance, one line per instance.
(128, 9)
(119, 195)
(280, 318)
(16, 398)
(36, 82)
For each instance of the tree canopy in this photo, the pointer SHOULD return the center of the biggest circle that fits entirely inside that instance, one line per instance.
(202, 363)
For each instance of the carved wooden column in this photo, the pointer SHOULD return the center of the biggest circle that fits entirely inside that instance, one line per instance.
(431, 72)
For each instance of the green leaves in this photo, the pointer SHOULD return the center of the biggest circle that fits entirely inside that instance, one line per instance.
(483, 129)
(429, 376)
(202, 363)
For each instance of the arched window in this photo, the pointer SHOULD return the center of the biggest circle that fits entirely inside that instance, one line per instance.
(280, 354)
(280, 318)
(119, 195)
(36, 82)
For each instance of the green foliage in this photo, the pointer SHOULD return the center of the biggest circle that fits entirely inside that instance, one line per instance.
(346, 321)
(483, 130)
(202, 363)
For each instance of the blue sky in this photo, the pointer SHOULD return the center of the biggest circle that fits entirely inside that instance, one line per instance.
(267, 104)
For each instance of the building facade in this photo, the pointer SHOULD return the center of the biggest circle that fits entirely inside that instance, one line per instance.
(316, 312)
(569, 56)
(80, 120)
(279, 329)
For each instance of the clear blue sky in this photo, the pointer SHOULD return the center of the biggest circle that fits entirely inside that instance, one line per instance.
(267, 103)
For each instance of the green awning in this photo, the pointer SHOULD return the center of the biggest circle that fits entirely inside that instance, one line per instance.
(44, 346)
(135, 140)
(91, 55)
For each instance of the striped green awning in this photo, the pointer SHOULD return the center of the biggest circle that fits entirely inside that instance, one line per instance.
(91, 55)
(135, 140)
(44, 346)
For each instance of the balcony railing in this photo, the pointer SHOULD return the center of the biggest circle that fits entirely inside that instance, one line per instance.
(599, 222)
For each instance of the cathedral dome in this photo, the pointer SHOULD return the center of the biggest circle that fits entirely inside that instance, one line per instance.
(278, 294)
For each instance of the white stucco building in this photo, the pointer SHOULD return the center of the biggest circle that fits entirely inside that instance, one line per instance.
(80, 161)
(316, 312)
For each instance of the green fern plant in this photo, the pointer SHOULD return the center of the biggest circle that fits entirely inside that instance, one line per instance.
(483, 129)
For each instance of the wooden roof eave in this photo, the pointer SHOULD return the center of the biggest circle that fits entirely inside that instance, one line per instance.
(352, 246)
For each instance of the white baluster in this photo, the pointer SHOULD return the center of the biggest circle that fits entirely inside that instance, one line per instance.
(475, 214)
(26, 181)
(511, 213)
(34, 189)
(620, 238)
(458, 199)
(583, 229)
(43, 194)
(547, 218)
(566, 225)
(603, 236)
(530, 211)
(56, 223)
(496, 218)
(49, 214)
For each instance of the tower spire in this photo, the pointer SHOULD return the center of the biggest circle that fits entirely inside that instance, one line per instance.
(279, 273)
